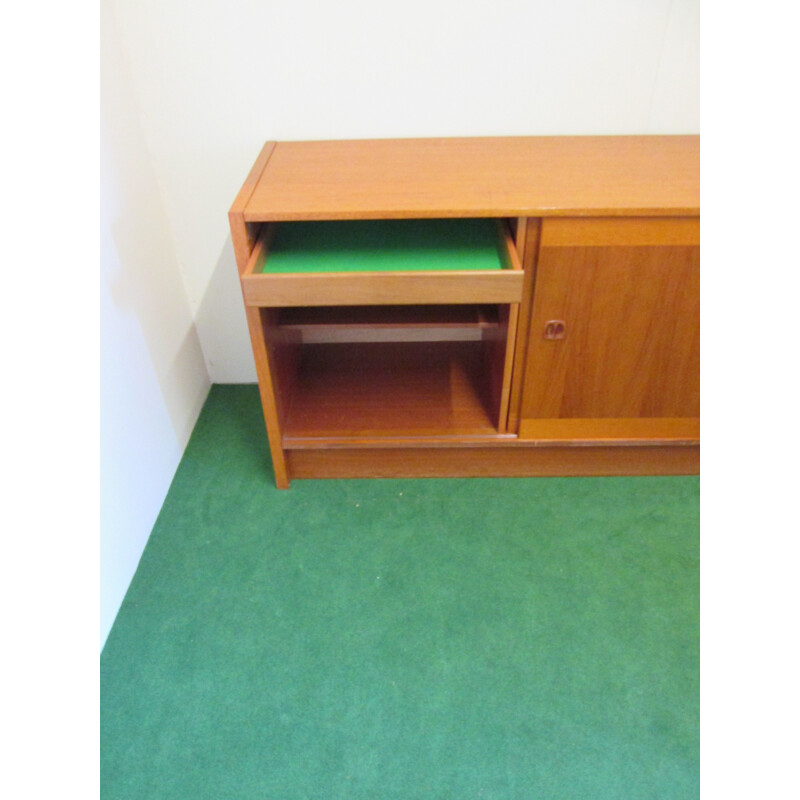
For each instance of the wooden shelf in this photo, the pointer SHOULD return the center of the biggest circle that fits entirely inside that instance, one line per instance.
(380, 390)
(316, 325)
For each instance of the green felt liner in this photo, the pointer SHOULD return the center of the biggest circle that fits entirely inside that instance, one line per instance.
(385, 246)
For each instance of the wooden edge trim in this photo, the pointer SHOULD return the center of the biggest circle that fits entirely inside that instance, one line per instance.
(255, 264)
(624, 430)
(266, 390)
(457, 442)
(381, 288)
(530, 260)
(620, 231)
(426, 212)
(249, 185)
(243, 233)
(291, 442)
(520, 237)
(511, 340)
(508, 248)
(493, 462)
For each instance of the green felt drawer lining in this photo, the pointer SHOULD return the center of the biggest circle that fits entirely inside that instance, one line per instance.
(385, 246)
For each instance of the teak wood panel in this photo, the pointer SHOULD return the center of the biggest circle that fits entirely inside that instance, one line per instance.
(501, 364)
(528, 234)
(392, 371)
(390, 288)
(677, 430)
(629, 307)
(244, 236)
(473, 177)
(493, 461)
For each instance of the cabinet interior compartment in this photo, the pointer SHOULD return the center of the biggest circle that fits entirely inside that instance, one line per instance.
(377, 372)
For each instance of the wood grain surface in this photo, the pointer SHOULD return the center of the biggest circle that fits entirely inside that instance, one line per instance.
(632, 327)
(474, 177)
(391, 389)
(494, 460)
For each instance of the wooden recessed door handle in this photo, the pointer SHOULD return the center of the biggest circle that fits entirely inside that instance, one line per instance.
(555, 329)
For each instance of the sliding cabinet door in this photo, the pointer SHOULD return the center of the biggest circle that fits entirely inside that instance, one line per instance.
(613, 350)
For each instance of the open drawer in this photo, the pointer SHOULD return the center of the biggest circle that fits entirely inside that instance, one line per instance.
(383, 262)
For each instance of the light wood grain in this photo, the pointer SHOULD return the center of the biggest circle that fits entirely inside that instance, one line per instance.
(624, 231)
(244, 233)
(243, 196)
(530, 250)
(385, 288)
(349, 324)
(520, 236)
(631, 316)
(267, 391)
(493, 461)
(505, 364)
(474, 177)
(244, 236)
(402, 440)
(391, 389)
(685, 430)
(508, 251)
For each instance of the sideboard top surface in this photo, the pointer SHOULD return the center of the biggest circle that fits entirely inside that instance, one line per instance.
(478, 177)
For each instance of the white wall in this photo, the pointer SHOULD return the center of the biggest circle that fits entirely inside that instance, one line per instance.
(153, 379)
(192, 90)
(214, 80)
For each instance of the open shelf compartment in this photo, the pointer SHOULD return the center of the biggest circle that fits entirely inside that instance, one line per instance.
(388, 372)
(402, 389)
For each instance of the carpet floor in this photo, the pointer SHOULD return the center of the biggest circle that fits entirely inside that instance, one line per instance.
(447, 638)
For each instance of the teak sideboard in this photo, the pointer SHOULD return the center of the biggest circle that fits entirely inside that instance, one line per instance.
(475, 307)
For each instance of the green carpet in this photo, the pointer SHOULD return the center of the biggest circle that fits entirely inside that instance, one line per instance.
(492, 638)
